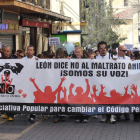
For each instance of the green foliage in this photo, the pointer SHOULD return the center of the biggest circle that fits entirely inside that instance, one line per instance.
(101, 24)
(77, 43)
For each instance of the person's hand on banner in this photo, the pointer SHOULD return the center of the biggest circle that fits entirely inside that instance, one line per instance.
(115, 58)
(36, 58)
(68, 57)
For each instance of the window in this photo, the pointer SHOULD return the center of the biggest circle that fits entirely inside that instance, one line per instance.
(126, 2)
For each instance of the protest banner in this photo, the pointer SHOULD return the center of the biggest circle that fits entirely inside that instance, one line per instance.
(63, 86)
(53, 41)
(129, 47)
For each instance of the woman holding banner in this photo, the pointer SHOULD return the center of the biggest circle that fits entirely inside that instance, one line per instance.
(79, 55)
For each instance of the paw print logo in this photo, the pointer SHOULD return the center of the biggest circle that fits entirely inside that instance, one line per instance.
(24, 95)
(20, 91)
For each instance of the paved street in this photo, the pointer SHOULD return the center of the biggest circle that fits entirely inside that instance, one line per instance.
(21, 129)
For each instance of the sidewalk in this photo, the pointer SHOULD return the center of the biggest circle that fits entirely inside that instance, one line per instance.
(21, 129)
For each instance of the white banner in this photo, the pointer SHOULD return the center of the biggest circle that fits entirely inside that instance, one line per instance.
(67, 82)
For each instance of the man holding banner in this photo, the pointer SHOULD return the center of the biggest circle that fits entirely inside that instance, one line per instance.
(122, 55)
(103, 54)
(30, 55)
(7, 81)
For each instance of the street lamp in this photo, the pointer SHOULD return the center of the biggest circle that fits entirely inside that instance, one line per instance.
(85, 6)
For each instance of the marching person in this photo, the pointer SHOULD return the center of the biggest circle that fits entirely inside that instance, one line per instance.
(122, 55)
(7, 55)
(59, 55)
(30, 53)
(30, 56)
(79, 55)
(21, 54)
(103, 54)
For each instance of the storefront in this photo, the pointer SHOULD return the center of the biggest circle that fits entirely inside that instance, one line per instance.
(7, 40)
(35, 33)
(68, 36)
(35, 23)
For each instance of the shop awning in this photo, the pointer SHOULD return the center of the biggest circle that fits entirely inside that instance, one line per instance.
(69, 32)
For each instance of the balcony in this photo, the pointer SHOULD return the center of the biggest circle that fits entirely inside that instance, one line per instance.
(40, 3)
(39, 8)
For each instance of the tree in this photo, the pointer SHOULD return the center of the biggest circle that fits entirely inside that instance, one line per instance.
(101, 23)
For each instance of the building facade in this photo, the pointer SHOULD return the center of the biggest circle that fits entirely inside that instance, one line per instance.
(28, 22)
(124, 10)
(68, 31)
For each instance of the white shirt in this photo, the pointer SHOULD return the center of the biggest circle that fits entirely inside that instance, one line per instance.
(124, 58)
(29, 58)
(104, 57)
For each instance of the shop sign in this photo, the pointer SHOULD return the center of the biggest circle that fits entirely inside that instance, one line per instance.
(3, 27)
(13, 26)
(9, 26)
(31, 23)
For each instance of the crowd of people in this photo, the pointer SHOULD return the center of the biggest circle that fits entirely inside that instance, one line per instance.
(62, 53)
(78, 53)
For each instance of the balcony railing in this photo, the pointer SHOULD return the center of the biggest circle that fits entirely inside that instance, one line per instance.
(40, 3)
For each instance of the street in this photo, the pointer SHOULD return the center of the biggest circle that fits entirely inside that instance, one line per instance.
(45, 129)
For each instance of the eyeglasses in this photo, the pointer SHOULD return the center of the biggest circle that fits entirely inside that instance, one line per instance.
(21, 56)
(102, 47)
(123, 50)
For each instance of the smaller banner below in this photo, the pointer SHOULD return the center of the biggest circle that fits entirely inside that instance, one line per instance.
(129, 46)
(53, 41)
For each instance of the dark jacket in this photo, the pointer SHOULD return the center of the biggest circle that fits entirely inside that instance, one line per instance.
(11, 57)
